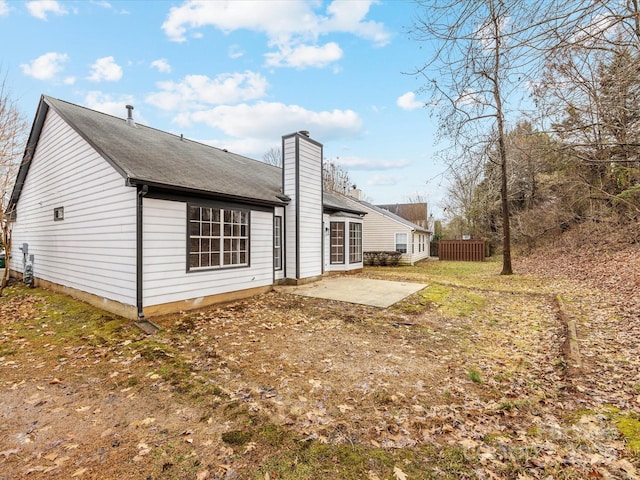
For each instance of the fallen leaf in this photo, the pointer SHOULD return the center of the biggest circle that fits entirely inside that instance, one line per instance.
(79, 472)
(202, 475)
(6, 453)
(400, 475)
(61, 461)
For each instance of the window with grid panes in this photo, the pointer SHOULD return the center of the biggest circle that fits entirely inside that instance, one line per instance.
(337, 242)
(355, 242)
(218, 237)
(277, 243)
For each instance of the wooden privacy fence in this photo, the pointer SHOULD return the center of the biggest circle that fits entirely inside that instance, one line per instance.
(462, 250)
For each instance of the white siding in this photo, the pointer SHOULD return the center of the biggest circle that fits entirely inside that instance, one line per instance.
(304, 212)
(310, 209)
(165, 257)
(94, 248)
(289, 168)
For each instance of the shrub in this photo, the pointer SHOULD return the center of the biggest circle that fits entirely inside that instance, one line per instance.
(381, 258)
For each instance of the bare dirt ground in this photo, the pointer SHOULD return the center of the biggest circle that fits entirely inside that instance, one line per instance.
(467, 379)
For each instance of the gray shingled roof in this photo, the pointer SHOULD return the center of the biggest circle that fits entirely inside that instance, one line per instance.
(335, 203)
(383, 212)
(148, 156)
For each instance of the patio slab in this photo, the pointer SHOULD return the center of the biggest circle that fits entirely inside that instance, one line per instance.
(363, 291)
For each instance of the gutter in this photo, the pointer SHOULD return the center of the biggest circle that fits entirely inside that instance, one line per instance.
(141, 191)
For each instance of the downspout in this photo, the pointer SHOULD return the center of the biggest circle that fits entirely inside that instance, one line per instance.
(142, 190)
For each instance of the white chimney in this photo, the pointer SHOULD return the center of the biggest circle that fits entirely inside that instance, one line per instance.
(302, 182)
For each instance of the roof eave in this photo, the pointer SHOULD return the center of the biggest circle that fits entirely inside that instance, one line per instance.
(278, 202)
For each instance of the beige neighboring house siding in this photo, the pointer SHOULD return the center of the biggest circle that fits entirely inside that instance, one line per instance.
(379, 234)
(93, 248)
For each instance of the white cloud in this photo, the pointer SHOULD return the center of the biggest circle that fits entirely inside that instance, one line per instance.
(235, 51)
(292, 26)
(357, 163)
(102, 3)
(270, 120)
(348, 16)
(4, 8)
(112, 105)
(198, 91)
(105, 69)
(69, 80)
(46, 66)
(162, 65)
(383, 180)
(303, 56)
(40, 8)
(408, 101)
(471, 98)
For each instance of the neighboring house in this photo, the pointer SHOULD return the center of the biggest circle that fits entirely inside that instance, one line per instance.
(386, 231)
(414, 212)
(142, 222)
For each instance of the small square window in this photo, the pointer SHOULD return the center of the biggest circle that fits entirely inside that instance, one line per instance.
(58, 213)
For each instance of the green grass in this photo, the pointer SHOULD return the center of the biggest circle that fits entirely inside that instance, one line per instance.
(628, 424)
(474, 376)
(476, 275)
(312, 459)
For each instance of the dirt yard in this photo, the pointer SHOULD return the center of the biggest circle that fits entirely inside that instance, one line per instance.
(469, 378)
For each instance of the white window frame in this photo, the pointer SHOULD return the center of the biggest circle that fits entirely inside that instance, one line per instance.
(336, 245)
(405, 243)
(355, 243)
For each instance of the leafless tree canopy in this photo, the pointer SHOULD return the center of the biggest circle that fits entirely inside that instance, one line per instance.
(12, 137)
(540, 101)
(335, 177)
(273, 156)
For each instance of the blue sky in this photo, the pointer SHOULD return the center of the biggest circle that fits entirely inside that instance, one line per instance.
(239, 75)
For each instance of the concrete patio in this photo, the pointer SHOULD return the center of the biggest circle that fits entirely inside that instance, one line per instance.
(363, 291)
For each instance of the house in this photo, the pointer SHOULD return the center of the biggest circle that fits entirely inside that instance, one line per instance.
(415, 212)
(142, 222)
(386, 231)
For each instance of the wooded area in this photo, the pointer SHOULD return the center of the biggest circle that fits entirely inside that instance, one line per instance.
(544, 116)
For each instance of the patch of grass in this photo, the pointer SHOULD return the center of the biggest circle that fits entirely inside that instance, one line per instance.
(453, 301)
(273, 435)
(303, 460)
(628, 424)
(236, 438)
(474, 376)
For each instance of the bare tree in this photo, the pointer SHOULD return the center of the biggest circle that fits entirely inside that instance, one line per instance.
(273, 156)
(12, 132)
(335, 177)
(482, 51)
(590, 99)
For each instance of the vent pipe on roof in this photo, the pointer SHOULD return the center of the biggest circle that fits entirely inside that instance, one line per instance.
(130, 120)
